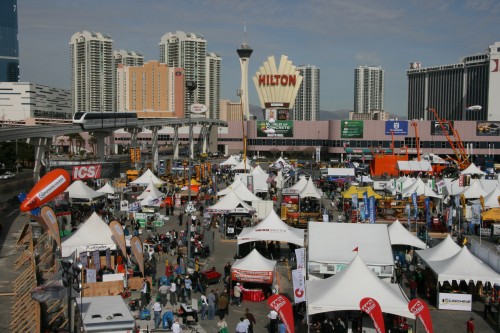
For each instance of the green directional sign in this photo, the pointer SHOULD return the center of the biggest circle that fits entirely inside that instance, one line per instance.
(351, 129)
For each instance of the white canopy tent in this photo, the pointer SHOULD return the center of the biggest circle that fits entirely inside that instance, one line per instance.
(93, 234)
(152, 190)
(254, 268)
(241, 166)
(331, 247)
(463, 266)
(420, 188)
(272, 228)
(240, 190)
(344, 291)
(472, 169)
(475, 190)
(399, 235)
(310, 191)
(414, 166)
(444, 250)
(151, 200)
(258, 171)
(259, 181)
(230, 161)
(78, 190)
(433, 158)
(107, 189)
(364, 179)
(237, 182)
(491, 200)
(146, 178)
(228, 203)
(297, 187)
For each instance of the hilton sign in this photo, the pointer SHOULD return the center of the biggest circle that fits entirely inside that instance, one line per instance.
(277, 80)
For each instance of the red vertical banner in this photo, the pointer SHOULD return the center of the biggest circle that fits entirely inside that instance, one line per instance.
(283, 306)
(420, 309)
(136, 248)
(371, 307)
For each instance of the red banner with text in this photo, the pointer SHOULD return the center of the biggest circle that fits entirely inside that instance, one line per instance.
(371, 307)
(420, 309)
(282, 305)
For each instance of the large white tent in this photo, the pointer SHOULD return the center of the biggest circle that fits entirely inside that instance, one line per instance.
(472, 169)
(151, 201)
(345, 290)
(241, 166)
(272, 228)
(331, 247)
(420, 188)
(240, 190)
(463, 266)
(152, 190)
(310, 191)
(258, 171)
(228, 203)
(297, 187)
(230, 161)
(475, 190)
(254, 268)
(146, 178)
(107, 189)
(78, 190)
(259, 181)
(93, 234)
(491, 200)
(399, 235)
(445, 249)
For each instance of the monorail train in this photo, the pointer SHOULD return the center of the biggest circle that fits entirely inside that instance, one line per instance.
(94, 120)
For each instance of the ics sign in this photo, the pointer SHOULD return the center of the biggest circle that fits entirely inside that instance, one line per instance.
(81, 172)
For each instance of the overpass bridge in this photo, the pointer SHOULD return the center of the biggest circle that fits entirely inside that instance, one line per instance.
(42, 136)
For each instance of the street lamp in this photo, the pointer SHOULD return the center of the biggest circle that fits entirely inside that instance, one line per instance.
(71, 277)
(191, 87)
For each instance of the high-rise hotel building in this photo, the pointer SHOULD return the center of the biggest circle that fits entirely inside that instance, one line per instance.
(451, 89)
(9, 45)
(307, 101)
(92, 72)
(212, 92)
(368, 89)
(187, 50)
(126, 58)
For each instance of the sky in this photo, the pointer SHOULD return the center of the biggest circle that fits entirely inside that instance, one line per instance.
(334, 35)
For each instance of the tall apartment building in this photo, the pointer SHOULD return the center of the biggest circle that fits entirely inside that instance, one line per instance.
(187, 50)
(451, 89)
(153, 90)
(9, 45)
(307, 101)
(368, 89)
(92, 72)
(230, 111)
(127, 58)
(212, 93)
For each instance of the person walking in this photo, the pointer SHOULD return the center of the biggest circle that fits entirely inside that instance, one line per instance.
(251, 320)
(273, 321)
(222, 326)
(173, 293)
(204, 306)
(242, 327)
(223, 304)
(237, 294)
(413, 289)
(157, 313)
(176, 327)
(211, 305)
(487, 305)
(470, 325)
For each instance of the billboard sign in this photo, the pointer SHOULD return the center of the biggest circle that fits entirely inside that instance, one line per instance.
(351, 129)
(396, 127)
(81, 172)
(488, 128)
(437, 128)
(278, 128)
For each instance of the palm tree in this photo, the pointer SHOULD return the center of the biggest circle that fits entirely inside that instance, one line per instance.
(72, 138)
(93, 144)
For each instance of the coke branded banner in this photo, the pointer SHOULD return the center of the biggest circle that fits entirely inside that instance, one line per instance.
(298, 285)
(252, 276)
(136, 248)
(91, 171)
(282, 305)
(420, 309)
(371, 307)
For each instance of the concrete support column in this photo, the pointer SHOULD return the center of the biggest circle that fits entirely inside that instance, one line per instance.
(175, 144)
(191, 141)
(100, 136)
(41, 146)
(204, 138)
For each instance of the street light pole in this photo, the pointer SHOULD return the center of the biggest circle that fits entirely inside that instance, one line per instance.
(72, 281)
(191, 87)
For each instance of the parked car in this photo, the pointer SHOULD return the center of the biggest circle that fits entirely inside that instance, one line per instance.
(8, 175)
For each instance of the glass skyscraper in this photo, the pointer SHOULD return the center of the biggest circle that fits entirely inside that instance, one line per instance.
(9, 46)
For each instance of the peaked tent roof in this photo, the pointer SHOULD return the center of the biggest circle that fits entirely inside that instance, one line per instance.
(254, 261)
(346, 289)
(244, 193)
(433, 158)
(491, 200)
(151, 200)
(228, 203)
(108, 189)
(297, 187)
(463, 266)
(399, 235)
(420, 188)
(93, 234)
(258, 170)
(310, 191)
(447, 248)
(475, 190)
(78, 190)
(237, 182)
(472, 169)
(272, 228)
(230, 161)
(241, 166)
(151, 189)
(146, 178)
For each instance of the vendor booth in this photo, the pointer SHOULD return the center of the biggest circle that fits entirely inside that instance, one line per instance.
(238, 188)
(256, 273)
(146, 178)
(300, 208)
(332, 246)
(79, 190)
(231, 161)
(151, 190)
(444, 250)
(345, 290)
(236, 213)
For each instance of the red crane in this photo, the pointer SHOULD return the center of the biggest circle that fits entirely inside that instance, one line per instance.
(417, 140)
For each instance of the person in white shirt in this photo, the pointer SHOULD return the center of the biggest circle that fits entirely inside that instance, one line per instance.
(157, 313)
(242, 327)
(176, 327)
(273, 321)
(173, 293)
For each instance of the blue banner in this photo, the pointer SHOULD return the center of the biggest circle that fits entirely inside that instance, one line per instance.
(414, 201)
(362, 211)
(365, 200)
(373, 209)
(355, 201)
(450, 217)
(398, 127)
(408, 211)
(428, 211)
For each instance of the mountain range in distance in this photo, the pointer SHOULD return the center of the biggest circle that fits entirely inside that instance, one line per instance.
(323, 115)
